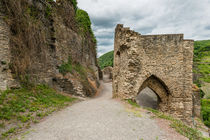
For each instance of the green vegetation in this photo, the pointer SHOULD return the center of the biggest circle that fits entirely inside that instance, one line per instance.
(66, 67)
(48, 11)
(191, 133)
(80, 70)
(10, 131)
(202, 62)
(73, 67)
(106, 60)
(205, 111)
(84, 22)
(32, 11)
(77, 70)
(133, 103)
(201, 70)
(74, 2)
(28, 105)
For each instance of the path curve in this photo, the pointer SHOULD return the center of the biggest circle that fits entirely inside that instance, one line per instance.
(101, 118)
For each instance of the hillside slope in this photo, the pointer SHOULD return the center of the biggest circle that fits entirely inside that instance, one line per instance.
(106, 60)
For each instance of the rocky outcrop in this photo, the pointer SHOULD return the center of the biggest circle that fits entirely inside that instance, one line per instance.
(38, 37)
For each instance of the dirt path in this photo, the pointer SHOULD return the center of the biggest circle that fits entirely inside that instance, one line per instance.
(101, 118)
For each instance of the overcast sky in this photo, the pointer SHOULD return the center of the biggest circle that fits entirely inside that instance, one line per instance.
(191, 17)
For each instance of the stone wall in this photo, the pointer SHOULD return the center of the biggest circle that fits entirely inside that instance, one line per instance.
(36, 41)
(160, 62)
(196, 102)
(6, 79)
(107, 74)
(108, 71)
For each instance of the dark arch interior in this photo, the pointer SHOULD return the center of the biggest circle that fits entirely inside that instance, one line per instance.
(118, 53)
(152, 92)
(148, 98)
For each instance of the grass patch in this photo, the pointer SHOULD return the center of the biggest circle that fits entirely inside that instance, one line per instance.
(133, 103)
(10, 131)
(191, 133)
(24, 105)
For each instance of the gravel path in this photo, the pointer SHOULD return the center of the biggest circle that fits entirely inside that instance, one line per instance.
(100, 118)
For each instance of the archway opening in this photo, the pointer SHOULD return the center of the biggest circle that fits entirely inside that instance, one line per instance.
(148, 98)
(153, 93)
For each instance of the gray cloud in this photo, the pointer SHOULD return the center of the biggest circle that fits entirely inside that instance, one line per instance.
(104, 21)
(190, 17)
(207, 27)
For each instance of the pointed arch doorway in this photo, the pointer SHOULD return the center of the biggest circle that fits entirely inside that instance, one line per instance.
(153, 93)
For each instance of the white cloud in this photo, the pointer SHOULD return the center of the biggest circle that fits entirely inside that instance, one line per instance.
(190, 17)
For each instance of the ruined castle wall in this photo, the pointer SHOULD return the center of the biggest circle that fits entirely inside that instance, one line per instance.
(166, 57)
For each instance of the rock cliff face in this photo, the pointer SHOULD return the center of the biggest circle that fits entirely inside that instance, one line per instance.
(42, 43)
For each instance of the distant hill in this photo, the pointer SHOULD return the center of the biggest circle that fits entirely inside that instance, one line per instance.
(106, 60)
